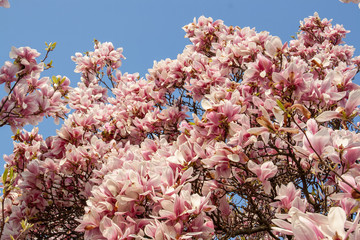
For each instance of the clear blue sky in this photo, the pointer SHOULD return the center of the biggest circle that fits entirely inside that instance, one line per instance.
(148, 30)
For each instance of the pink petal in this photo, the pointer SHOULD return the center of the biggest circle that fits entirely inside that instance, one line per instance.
(328, 116)
(337, 218)
(353, 102)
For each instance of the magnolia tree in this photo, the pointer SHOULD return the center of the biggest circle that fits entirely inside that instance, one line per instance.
(242, 136)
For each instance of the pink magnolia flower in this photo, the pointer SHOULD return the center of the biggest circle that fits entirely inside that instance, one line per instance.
(342, 113)
(4, 3)
(350, 188)
(315, 139)
(274, 46)
(110, 230)
(301, 225)
(286, 195)
(264, 172)
(8, 72)
(259, 70)
(26, 59)
(309, 225)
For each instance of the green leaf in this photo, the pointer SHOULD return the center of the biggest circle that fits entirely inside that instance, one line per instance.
(11, 173)
(5, 175)
(55, 80)
(48, 46)
(23, 223)
(281, 106)
(53, 45)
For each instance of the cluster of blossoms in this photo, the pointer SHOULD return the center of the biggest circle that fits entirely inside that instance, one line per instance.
(4, 3)
(30, 97)
(240, 136)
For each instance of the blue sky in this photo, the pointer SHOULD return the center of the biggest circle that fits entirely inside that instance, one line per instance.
(148, 30)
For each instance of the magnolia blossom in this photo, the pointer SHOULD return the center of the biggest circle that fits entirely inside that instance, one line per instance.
(316, 226)
(264, 172)
(4, 3)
